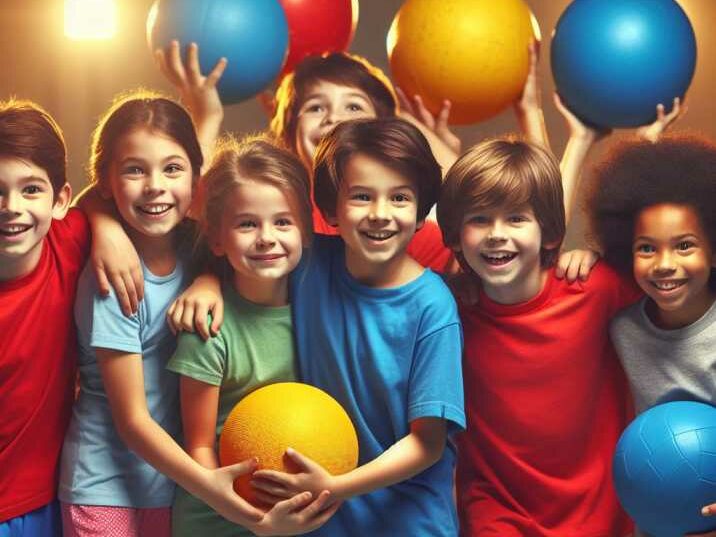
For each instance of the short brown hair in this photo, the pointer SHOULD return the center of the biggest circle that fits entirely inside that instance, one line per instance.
(255, 159)
(505, 172)
(28, 132)
(636, 174)
(142, 109)
(393, 142)
(339, 68)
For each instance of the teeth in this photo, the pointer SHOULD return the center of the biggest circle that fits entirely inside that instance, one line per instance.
(14, 228)
(667, 286)
(379, 235)
(156, 209)
(500, 255)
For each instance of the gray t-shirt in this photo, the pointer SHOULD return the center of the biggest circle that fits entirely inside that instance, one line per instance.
(666, 365)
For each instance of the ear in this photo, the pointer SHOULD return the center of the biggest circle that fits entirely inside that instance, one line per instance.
(216, 247)
(419, 224)
(552, 245)
(62, 202)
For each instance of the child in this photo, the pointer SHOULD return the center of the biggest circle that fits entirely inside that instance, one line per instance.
(41, 254)
(325, 90)
(665, 237)
(380, 334)
(256, 214)
(545, 396)
(146, 157)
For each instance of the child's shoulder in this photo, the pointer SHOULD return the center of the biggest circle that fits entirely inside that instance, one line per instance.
(70, 233)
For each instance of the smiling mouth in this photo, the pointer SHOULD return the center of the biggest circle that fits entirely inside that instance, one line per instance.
(13, 230)
(266, 257)
(667, 285)
(379, 236)
(498, 258)
(155, 209)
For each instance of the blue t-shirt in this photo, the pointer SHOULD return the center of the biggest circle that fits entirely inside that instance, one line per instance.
(97, 468)
(389, 356)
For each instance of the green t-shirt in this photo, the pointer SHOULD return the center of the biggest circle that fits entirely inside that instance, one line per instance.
(254, 348)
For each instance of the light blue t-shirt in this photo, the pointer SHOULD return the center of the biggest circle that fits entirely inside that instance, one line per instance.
(97, 468)
(388, 356)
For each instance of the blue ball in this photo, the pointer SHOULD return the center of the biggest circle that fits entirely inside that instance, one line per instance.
(251, 34)
(614, 61)
(665, 468)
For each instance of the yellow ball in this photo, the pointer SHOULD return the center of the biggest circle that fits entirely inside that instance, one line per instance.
(472, 52)
(288, 414)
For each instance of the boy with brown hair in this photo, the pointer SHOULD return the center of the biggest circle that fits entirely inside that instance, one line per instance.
(545, 396)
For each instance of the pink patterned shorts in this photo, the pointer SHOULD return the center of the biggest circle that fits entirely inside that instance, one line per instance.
(104, 521)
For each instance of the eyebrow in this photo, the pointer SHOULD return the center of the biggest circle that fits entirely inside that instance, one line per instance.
(143, 161)
(677, 238)
(351, 94)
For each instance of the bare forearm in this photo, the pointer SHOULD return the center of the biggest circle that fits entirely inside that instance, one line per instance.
(575, 154)
(403, 460)
(532, 126)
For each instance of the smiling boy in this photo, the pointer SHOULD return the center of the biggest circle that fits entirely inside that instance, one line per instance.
(545, 397)
(381, 335)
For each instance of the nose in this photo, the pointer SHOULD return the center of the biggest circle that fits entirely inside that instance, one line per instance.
(333, 116)
(496, 232)
(664, 262)
(378, 210)
(10, 203)
(266, 237)
(154, 184)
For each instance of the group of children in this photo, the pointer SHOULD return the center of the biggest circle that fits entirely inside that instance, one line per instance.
(517, 397)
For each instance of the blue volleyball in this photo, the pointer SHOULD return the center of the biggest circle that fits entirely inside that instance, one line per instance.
(251, 34)
(614, 61)
(665, 468)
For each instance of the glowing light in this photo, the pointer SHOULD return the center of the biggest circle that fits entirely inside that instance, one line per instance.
(90, 19)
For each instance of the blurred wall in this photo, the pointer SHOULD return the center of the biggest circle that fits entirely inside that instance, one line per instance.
(77, 80)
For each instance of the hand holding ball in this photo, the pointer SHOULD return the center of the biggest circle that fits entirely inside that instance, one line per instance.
(288, 414)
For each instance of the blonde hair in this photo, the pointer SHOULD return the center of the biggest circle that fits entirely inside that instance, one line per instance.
(505, 172)
(254, 159)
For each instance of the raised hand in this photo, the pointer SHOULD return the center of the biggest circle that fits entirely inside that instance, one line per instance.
(663, 121)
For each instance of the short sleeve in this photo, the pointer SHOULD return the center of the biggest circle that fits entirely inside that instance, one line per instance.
(75, 229)
(436, 387)
(110, 328)
(198, 359)
(624, 289)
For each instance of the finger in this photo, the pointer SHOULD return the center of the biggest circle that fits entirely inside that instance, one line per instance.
(675, 111)
(216, 72)
(585, 267)
(660, 112)
(268, 499)
(193, 70)
(241, 468)
(318, 505)
(102, 281)
(562, 265)
(177, 313)
(187, 318)
(423, 113)
(217, 317)
(175, 64)
(120, 292)
(268, 487)
(161, 61)
(573, 269)
(170, 320)
(405, 104)
(131, 291)
(137, 276)
(201, 321)
(441, 124)
(535, 50)
(272, 475)
(293, 504)
(303, 462)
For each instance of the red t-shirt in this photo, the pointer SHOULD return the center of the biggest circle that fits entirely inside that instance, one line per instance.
(37, 367)
(546, 400)
(426, 247)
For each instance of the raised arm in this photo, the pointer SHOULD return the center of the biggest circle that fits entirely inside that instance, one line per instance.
(528, 108)
(197, 91)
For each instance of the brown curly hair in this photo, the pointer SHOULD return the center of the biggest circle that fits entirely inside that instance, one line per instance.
(636, 174)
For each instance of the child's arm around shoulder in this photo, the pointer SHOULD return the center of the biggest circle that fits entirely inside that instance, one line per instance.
(114, 259)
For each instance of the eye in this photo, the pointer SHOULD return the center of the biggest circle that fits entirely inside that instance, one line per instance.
(402, 198)
(360, 196)
(246, 224)
(132, 170)
(685, 245)
(173, 169)
(518, 218)
(32, 189)
(645, 249)
(355, 107)
(284, 222)
(478, 219)
(313, 108)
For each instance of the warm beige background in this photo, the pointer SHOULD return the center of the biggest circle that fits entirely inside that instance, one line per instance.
(76, 81)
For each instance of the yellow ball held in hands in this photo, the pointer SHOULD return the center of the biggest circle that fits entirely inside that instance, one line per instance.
(288, 414)
(473, 52)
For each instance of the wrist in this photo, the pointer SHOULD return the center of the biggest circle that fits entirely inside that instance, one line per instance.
(339, 487)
